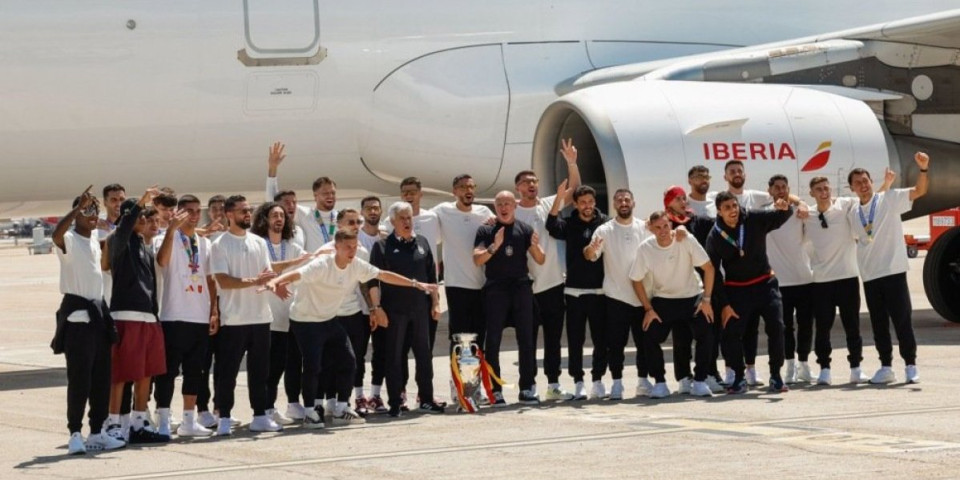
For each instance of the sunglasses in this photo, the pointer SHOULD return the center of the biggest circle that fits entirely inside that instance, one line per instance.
(823, 220)
(353, 222)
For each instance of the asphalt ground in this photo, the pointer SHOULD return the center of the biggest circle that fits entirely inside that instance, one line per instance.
(840, 431)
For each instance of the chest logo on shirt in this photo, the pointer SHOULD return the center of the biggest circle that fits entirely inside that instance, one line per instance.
(420, 250)
(194, 289)
(587, 234)
(509, 250)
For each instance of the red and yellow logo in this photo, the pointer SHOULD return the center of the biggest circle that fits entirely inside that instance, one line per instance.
(819, 158)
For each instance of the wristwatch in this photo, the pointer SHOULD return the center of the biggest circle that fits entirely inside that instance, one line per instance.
(491, 250)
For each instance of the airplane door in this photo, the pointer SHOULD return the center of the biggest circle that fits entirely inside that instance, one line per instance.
(281, 32)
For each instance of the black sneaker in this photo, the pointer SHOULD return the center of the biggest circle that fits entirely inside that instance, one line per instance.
(737, 387)
(431, 407)
(529, 398)
(147, 435)
(777, 386)
(403, 402)
(395, 411)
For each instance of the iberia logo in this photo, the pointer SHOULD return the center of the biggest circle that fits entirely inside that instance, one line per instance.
(819, 158)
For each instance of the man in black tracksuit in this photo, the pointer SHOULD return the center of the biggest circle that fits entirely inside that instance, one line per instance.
(584, 287)
(746, 288)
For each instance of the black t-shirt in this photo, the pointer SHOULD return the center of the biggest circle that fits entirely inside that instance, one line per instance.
(410, 258)
(509, 263)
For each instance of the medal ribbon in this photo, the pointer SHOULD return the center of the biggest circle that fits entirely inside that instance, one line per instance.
(868, 223)
(324, 231)
(730, 240)
(273, 253)
(192, 250)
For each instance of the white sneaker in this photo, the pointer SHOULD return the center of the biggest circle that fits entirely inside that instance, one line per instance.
(616, 390)
(911, 374)
(349, 416)
(76, 446)
(554, 392)
(598, 392)
(857, 376)
(660, 390)
(700, 389)
(884, 375)
(714, 384)
(729, 376)
(116, 431)
(224, 427)
(278, 417)
(644, 387)
(312, 419)
(193, 429)
(686, 385)
(263, 423)
(295, 411)
(207, 419)
(824, 378)
(751, 377)
(790, 376)
(101, 441)
(163, 423)
(803, 372)
(579, 391)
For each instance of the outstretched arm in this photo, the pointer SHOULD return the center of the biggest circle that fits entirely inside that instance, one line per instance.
(920, 189)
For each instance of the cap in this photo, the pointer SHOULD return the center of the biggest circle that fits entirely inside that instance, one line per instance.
(672, 193)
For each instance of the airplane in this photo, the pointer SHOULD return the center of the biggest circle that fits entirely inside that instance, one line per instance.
(191, 93)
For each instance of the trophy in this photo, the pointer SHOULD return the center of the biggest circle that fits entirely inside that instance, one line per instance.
(466, 372)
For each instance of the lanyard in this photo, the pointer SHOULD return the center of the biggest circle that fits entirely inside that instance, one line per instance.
(324, 231)
(730, 240)
(192, 250)
(868, 223)
(273, 253)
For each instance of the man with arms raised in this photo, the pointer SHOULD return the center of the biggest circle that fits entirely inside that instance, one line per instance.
(318, 223)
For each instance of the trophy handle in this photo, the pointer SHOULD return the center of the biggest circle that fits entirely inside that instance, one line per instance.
(457, 349)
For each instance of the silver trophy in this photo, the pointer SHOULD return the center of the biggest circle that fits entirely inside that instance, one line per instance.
(469, 365)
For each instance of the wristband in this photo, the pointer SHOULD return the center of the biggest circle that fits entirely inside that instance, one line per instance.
(924, 170)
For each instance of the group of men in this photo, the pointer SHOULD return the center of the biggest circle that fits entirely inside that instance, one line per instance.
(301, 292)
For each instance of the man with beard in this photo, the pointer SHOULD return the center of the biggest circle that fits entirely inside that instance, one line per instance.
(216, 226)
(680, 215)
(882, 259)
(583, 292)
(286, 198)
(273, 223)
(617, 243)
(463, 279)
(319, 223)
(680, 302)
(368, 235)
(188, 315)
(700, 199)
(85, 329)
(745, 285)
(241, 263)
(217, 223)
(548, 278)
(502, 249)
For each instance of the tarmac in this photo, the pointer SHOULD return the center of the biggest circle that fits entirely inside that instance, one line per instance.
(840, 431)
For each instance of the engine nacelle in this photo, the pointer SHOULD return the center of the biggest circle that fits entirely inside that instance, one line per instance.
(645, 135)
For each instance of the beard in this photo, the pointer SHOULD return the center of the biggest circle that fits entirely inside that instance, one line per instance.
(737, 182)
(243, 223)
(702, 188)
(624, 214)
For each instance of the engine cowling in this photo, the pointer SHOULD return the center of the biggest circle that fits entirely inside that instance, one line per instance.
(645, 135)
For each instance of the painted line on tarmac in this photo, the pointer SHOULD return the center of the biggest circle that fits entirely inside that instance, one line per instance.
(686, 427)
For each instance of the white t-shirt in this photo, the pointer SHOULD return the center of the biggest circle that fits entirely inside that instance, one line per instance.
(323, 287)
(428, 225)
(185, 296)
(316, 227)
(704, 208)
(367, 240)
(833, 250)
(458, 230)
(80, 272)
(353, 302)
(550, 274)
(754, 199)
(886, 255)
(298, 237)
(786, 251)
(107, 276)
(241, 257)
(285, 250)
(671, 268)
(618, 251)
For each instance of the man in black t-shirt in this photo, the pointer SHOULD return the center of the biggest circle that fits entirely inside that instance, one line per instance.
(502, 249)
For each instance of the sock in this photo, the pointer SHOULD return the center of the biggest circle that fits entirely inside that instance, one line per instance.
(358, 392)
(618, 381)
(164, 414)
(553, 386)
(331, 404)
(113, 419)
(375, 390)
(137, 419)
(189, 418)
(339, 408)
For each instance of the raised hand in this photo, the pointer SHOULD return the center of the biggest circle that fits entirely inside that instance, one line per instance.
(889, 176)
(276, 155)
(922, 159)
(149, 195)
(179, 217)
(568, 150)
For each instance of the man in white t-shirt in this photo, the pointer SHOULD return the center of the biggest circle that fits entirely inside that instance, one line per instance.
(323, 285)
(426, 223)
(882, 259)
(318, 223)
(84, 327)
(272, 223)
(678, 295)
(462, 279)
(617, 242)
(241, 263)
(187, 315)
(787, 252)
(548, 278)
(371, 233)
